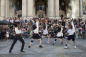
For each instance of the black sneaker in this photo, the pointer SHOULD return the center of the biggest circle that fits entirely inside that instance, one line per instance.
(29, 46)
(22, 51)
(9, 51)
(40, 46)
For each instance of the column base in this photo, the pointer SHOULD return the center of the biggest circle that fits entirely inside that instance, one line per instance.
(57, 17)
(51, 17)
(54, 18)
(84, 17)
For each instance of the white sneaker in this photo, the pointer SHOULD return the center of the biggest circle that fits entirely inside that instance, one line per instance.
(74, 46)
(65, 47)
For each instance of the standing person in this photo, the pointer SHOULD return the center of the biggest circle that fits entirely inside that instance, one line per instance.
(59, 34)
(71, 34)
(36, 34)
(83, 30)
(45, 31)
(18, 36)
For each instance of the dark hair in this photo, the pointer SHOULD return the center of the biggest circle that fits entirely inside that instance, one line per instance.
(16, 24)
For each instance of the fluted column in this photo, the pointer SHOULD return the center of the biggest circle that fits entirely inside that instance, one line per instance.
(3, 7)
(57, 8)
(51, 9)
(75, 8)
(7, 9)
(24, 8)
(30, 6)
(77, 12)
(0, 7)
(11, 9)
(81, 10)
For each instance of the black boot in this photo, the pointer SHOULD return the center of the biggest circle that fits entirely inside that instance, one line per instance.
(29, 46)
(40, 46)
(22, 51)
(10, 51)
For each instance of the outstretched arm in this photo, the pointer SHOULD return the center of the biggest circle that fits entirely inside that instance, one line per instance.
(73, 26)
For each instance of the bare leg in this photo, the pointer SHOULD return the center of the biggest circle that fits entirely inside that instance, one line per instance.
(40, 41)
(48, 36)
(62, 41)
(83, 36)
(67, 41)
(66, 46)
(40, 45)
(31, 43)
(74, 43)
(55, 41)
(6, 38)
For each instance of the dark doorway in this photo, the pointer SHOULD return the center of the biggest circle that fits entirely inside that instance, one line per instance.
(41, 8)
(64, 6)
(18, 7)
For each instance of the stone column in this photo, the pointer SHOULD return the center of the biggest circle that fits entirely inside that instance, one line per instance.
(77, 12)
(24, 7)
(0, 7)
(57, 9)
(81, 10)
(7, 9)
(30, 6)
(51, 10)
(11, 8)
(3, 8)
(75, 8)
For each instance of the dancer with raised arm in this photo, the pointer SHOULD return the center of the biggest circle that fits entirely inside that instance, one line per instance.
(71, 34)
(36, 34)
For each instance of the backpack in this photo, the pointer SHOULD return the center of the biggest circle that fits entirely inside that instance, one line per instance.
(34, 27)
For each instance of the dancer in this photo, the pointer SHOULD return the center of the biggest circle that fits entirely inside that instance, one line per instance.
(71, 34)
(59, 34)
(36, 34)
(18, 36)
(45, 31)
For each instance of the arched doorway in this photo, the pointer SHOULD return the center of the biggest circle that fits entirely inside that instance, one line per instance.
(41, 8)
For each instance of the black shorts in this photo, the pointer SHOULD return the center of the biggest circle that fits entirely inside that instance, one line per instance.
(36, 36)
(60, 37)
(45, 35)
(51, 33)
(40, 33)
(71, 37)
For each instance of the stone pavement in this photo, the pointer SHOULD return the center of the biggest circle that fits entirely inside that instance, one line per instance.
(48, 50)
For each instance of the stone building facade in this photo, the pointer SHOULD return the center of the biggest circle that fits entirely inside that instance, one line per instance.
(28, 8)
